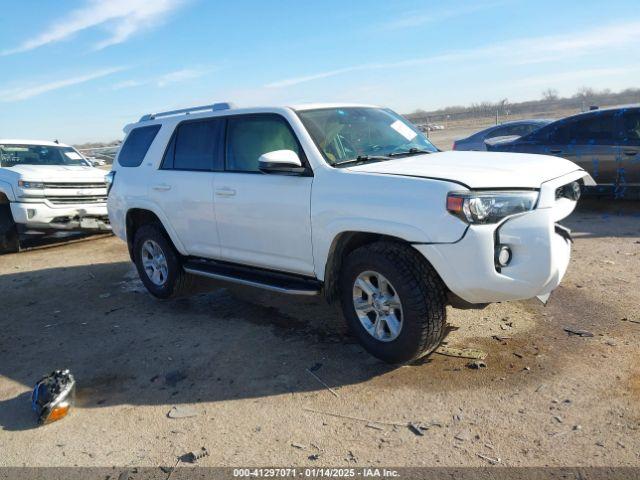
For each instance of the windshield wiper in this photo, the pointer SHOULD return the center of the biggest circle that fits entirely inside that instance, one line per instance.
(411, 151)
(363, 159)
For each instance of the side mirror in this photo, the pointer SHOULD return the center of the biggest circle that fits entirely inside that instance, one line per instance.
(281, 161)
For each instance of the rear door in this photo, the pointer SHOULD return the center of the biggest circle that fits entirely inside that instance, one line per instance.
(263, 219)
(183, 186)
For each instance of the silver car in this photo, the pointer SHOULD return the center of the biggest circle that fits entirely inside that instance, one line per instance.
(512, 130)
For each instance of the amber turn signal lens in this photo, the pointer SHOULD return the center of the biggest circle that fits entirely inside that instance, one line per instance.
(57, 413)
(454, 204)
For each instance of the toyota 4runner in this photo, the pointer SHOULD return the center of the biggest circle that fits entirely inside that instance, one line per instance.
(350, 201)
(48, 186)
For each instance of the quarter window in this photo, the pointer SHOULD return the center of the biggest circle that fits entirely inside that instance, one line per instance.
(248, 137)
(136, 145)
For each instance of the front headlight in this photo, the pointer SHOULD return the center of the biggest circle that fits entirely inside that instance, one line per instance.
(490, 206)
(29, 185)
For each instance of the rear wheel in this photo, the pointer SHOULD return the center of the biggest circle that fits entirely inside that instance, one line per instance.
(9, 237)
(393, 301)
(158, 263)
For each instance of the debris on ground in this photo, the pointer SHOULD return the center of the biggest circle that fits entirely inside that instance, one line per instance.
(476, 365)
(374, 426)
(492, 461)
(182, 412)
(335, 394)
(53, 396)
(472, 353)
(500, 338)
(298, 445)
(415, 429)
(578, 332)
(351, 457)
(557, 418)
(313, 456)
(462, 436)
(357, 419)
(192, 457)
(625, 319)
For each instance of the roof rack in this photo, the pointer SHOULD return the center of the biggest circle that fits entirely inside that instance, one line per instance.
(213, 107)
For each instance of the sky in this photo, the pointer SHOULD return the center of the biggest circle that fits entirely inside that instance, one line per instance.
(79, 70)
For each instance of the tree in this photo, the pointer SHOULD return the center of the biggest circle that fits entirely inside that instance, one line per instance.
(550, 94)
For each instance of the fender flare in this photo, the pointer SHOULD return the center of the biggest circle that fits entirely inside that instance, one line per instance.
(173, 236)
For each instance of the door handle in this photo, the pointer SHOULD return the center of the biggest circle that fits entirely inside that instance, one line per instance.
(225, 192)
(630, 153)
(163, 187)
(555, 151)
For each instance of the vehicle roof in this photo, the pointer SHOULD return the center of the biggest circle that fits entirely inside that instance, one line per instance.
(603, 109)
(20, 141)
(315, 106)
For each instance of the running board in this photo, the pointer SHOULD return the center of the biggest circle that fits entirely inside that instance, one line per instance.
(274, 281)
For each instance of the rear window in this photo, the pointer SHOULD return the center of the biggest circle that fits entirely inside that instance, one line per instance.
(136, 145)
(196, 145)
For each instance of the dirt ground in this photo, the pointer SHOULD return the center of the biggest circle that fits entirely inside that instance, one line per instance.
(238, 359)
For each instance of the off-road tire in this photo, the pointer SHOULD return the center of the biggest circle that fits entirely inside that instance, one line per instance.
(9, 237)
(178, 282)
(421, 291)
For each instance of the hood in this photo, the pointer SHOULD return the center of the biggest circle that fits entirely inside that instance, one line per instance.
(477, 169)
(58, 173)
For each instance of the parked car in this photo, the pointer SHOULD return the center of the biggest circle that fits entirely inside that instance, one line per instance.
(48, 186)
(513, 129)
(348, 200)
(604, 142)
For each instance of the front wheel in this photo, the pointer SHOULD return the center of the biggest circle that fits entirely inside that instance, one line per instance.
(158, 264)
(393, 301)
(9, 237)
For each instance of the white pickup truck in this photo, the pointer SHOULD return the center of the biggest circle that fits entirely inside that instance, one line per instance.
(48, 186)
(349, 200)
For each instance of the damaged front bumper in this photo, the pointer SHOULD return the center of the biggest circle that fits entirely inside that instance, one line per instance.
(540, 252)
(42, 217)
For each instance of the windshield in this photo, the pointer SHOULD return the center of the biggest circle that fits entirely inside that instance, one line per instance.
(351, 133)
(12, 155)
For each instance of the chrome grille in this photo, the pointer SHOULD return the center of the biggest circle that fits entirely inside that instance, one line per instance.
(77, 199)
(71, 185)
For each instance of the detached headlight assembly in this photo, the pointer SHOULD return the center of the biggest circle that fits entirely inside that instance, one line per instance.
(30, 185)
(489, 206)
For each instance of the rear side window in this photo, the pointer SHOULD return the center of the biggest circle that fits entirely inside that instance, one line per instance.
(136, 145)
(196, 145)
(596, 129)
(631, 127)
(248, 137)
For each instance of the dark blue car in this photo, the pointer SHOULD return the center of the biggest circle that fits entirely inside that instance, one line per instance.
(605, 142)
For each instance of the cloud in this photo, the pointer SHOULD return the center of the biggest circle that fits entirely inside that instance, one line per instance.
(120, 18)
(29, 91)
(418, 18)
(166, 79)
(549, 48)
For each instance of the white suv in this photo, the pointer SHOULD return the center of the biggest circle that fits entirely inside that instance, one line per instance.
(48, 186)
(348, 200)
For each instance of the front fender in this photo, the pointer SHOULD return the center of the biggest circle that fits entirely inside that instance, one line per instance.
(7, 190)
